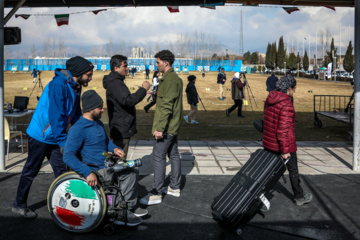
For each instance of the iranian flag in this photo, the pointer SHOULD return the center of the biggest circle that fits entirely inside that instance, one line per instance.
(24, 16)
(330, 7)
(173, 9)
(62, 19)
(289, 10)
(209, 6)
(97, 11)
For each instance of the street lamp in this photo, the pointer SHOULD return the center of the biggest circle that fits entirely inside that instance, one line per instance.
(284, 68)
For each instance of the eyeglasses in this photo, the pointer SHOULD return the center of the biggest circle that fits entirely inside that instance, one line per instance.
(89, 74)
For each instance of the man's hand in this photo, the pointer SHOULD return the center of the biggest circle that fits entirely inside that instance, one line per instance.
(119, 152)
(146, 85)
(91, 180)
(285, 155)
(158, 135)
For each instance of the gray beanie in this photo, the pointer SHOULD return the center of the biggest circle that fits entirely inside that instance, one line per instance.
(78, 66)
(90, 100)
(284, 83)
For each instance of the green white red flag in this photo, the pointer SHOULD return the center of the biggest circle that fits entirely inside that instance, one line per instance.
(62, 19)
(24, 16)
(289, 10)
(209, 6)
(173, 9)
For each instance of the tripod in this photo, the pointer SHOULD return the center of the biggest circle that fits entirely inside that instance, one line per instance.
(39, 81)
(248, 88)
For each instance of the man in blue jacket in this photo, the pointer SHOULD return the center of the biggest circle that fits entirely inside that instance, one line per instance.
(58, 107)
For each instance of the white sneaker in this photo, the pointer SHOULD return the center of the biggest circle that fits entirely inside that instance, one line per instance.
(194, 122)
(172, 192)
(186, 119)
(151, 199)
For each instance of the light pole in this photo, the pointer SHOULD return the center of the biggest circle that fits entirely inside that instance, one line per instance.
(284, 68)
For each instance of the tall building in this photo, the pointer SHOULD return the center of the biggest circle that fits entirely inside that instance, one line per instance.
(138, 52)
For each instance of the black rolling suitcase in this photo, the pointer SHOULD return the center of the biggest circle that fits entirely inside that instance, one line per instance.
(245, 194)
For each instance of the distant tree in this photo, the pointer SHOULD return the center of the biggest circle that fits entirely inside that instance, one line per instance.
(306, 61)
(349, 59)
(291, 62)
(247, 57)
(274, 54)
(254, 58)
(33, 51)
(298, 61)
(268, 62)
(329, 55)
(281, 53)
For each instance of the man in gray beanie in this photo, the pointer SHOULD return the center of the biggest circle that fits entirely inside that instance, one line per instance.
(88, 139)
(58, 107)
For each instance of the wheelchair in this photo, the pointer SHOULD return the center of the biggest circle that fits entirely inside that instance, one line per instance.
(77, 207)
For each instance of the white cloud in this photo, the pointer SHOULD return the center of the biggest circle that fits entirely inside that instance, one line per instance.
(148, 25)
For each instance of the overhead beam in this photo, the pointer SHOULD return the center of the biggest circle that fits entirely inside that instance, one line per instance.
(13, 11)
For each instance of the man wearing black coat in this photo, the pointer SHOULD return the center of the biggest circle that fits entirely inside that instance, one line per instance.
(270, 82)
(121, 103)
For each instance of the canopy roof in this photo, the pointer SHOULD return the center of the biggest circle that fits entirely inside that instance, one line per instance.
(134, 3)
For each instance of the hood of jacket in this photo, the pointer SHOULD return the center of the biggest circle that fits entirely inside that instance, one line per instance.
(112, 77)
(276, 97)
(234, 80)
(66, 75)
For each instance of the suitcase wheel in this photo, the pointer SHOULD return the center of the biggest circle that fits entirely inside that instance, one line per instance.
(239, 231)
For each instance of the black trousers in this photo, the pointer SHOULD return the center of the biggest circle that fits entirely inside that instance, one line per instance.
(36, 155)
(292, 167)
(152, 103)
(237, 104)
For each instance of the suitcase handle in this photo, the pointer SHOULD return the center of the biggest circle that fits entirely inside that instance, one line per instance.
(286, 160)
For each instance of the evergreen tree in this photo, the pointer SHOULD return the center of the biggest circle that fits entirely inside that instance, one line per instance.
(247, 57)
(349, 59)
(298, 61)
(329, 55)
(268, 62)
(306, 61)
(291, 62)
(254, 58)
(274, 54)
(281, 53)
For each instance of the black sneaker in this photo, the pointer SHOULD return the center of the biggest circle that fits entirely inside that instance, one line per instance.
(140, 212)
(306, 199)
(132, 220)
(24, 212)
(227, 112)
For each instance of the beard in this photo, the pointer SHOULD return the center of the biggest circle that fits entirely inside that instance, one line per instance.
(83, 82)
(95, 116)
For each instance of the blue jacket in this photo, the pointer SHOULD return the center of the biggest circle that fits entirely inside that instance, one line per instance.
(58, 106)
(87, 138)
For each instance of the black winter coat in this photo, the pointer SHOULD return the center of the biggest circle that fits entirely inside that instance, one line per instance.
(121, 106)
(191, 93)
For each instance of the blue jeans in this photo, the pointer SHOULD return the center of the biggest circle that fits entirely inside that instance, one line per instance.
(36, 155)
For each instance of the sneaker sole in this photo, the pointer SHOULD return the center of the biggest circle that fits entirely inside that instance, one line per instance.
(120, 223)
(151, 203)
(172, 194)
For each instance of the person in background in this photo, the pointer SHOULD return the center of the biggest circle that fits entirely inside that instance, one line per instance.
(58, 107)
(192, 98)
(34, 74)
(147, 71)
(154, 90)
(121, 103)
(270, 82)
(166, 125)
(203, 72)
(221, 79)
(279, 132)
(237, 94)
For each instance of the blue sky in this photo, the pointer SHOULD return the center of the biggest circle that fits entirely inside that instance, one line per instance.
(145, 26)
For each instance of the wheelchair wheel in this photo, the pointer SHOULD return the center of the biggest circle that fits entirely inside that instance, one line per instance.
(75, 206)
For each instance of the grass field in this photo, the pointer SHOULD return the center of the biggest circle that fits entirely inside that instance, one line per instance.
(214, 125)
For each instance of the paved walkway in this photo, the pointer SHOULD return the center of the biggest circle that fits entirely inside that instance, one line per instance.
(224, 157)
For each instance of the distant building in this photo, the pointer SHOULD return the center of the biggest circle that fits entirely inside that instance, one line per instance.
(138, 52)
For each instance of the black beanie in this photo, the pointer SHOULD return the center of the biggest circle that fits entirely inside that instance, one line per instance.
(90, 101)
(191, 78)
(78, 66)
